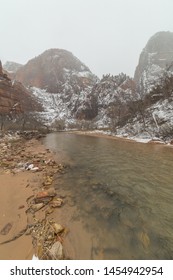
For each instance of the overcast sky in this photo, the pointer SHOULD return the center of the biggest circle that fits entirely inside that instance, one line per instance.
(107, 35)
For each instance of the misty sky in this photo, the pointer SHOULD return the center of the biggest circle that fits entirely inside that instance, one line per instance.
(107, 35)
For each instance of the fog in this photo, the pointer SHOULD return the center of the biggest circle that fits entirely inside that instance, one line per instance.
(107, 35)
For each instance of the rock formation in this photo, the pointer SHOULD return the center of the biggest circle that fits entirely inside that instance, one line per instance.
(55, 70)
(66, 78)
(69, 91)
(113, 94)
(11, 67)
(154, 59)
(14, 97)
(71, 95)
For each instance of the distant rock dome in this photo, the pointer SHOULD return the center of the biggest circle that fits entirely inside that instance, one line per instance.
(155, 57)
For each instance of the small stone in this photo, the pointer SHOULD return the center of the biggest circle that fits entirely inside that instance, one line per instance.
(109, 192)
(144, 238)
(48, 181)
(57, 228)
(44, 194)
(50, 237)
(49, 211)
(37, 206)
(56, 202)
(34, 169)
(51, 192)
(6, 229)
(56, 252)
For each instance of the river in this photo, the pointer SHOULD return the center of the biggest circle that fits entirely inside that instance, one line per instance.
(118, 197)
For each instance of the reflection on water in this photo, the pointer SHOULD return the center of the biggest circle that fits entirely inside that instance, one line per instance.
(121, 193)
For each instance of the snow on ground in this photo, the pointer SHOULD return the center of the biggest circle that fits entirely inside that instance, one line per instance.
(136, 139)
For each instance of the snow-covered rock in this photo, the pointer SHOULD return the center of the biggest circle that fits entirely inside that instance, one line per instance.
(154, 59)
(62, 84)
(113, 94)
(72, 96)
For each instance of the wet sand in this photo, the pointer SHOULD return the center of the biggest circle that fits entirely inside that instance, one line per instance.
(13, 195)
(16, 187)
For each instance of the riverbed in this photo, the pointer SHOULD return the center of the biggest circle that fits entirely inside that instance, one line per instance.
(118, 195)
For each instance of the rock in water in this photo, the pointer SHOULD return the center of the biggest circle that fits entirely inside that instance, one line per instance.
(6, 229)
(145, 240)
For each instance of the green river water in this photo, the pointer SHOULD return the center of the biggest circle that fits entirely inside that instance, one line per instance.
(118, 197)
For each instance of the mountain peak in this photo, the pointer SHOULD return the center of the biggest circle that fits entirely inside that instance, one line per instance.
(160, 42)
(155, 57)
(52, 69)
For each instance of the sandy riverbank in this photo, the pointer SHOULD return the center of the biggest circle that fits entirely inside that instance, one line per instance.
(30, 209)
(13, 195)
(28, 201)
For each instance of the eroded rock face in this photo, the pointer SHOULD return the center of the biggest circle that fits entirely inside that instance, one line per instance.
(154, 59)
(11, 67)
(14, 97)
(55, 70)
(113, 93)
(60, 73)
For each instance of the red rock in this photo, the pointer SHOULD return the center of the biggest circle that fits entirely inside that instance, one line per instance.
(42, 194)
(15, 98)
(45, 195)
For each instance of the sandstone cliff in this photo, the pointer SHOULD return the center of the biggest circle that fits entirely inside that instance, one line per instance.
(54, 70)
(14, 97)
(72, 96)
(62, 83)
